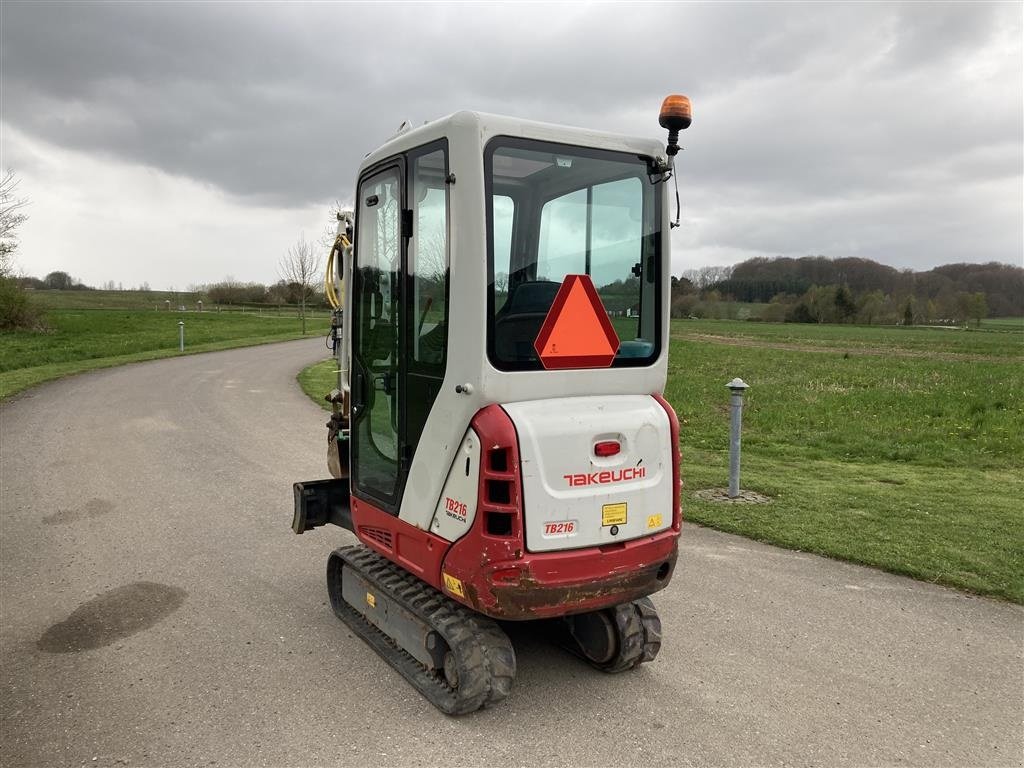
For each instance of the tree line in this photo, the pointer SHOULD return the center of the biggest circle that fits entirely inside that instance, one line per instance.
(815, 289)
(228, 291)
(809, 289)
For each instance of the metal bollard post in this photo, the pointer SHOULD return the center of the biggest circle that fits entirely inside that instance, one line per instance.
(181, 335)
(736, 386)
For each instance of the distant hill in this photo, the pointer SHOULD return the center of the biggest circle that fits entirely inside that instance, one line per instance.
(761, 279)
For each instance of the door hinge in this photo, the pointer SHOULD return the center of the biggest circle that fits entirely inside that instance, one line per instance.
(406, 223)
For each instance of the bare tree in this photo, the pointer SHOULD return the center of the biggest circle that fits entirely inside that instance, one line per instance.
(301, 266)
(432, 256)
(705, 277)
(11, 217)
(330, 232)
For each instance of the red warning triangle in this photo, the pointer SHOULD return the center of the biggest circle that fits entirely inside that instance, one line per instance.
(577, 332)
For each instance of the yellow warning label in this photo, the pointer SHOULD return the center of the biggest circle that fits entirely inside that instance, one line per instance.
(613, 514)
(371, 600)
(453, 585)
(654, 521)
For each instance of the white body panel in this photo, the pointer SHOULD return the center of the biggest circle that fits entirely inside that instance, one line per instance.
(467, 134)
(574, 498)
(456, 509)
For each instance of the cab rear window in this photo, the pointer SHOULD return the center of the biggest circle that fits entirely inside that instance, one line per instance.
(555, 211)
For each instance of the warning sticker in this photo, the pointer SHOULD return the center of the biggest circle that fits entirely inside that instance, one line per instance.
(371, 600)
(613, 514)
(654, 521)
(453, 585)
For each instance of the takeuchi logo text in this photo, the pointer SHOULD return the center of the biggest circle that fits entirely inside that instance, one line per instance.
(606, 476)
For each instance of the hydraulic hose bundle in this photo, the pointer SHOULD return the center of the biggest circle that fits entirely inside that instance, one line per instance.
(335, 262)
(336, 277)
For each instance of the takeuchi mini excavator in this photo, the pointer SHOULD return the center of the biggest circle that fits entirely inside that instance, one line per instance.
(499, 442)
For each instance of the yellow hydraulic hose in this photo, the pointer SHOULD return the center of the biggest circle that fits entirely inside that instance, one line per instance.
(340, 244)
(329, 278)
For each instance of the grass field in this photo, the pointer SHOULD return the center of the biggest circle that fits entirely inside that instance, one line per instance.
(87, 338)
(52, 299)
(319, 379)
(900, 448)
(154, 301)
(1003, 324)
(1001, 339)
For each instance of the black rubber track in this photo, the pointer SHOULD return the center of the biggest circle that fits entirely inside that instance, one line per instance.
(484, 658)
(639, 635)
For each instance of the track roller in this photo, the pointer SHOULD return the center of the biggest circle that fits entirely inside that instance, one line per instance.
(615, 639)
(459, 660)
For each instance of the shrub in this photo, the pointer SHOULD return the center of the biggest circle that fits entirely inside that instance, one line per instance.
(16, 310)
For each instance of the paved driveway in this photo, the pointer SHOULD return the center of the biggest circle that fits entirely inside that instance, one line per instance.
(155, 608)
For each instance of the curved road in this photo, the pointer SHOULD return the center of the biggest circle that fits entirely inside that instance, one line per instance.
(155, 608)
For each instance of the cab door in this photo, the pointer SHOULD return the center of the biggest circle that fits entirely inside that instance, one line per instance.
(399, 317)
(377, 320)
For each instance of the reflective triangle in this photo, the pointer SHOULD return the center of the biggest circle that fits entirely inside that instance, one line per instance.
(576, 332)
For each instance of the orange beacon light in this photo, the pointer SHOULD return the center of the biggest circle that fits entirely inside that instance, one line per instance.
(675, 115)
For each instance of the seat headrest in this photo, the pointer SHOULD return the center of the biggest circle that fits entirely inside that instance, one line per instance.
(534, 296)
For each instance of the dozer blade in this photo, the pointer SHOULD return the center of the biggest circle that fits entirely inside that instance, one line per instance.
(459, 660)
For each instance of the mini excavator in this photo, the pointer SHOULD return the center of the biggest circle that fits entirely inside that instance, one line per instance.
(499, 443)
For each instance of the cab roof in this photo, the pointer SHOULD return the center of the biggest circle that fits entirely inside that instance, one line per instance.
(477, 128)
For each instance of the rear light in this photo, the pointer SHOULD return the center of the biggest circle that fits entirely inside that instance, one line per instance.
(506, 576)
(607, 448)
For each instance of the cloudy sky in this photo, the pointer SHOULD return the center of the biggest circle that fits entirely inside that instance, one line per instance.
(177, 143)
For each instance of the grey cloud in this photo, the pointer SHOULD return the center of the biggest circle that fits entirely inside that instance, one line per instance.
(806, 116)
(161, 84)
(926, 33)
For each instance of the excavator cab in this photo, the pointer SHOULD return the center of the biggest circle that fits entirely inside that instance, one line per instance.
(501, 447)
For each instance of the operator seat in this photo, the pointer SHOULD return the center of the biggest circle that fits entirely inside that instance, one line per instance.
(518, 322)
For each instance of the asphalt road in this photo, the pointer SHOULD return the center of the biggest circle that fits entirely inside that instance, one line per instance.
(155, 608)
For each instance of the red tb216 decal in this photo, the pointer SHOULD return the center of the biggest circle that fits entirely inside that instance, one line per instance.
(455, 509)
(564, 527)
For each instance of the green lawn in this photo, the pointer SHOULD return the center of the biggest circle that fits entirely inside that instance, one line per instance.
(319, 379)
(52, 299)
(83, 339)
(900, 448)
(906, 462)
(1002, 339)
(155, 301)
(1004, 324)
